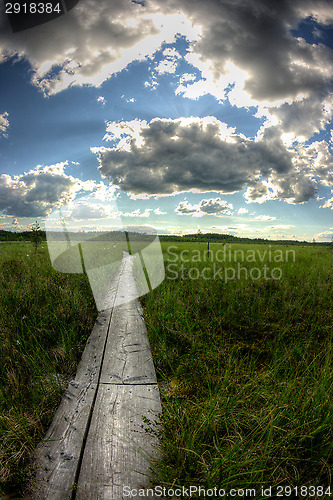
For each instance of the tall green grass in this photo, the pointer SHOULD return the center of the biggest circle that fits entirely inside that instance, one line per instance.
(245, 371)
(45, 319)
(244, 366)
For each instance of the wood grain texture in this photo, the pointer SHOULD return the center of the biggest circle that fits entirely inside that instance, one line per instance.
(58, 454)
(91, 361)
(119, 449)
(128, 357)
(98, 436)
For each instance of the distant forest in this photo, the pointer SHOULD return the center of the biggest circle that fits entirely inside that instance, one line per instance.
(195, 237)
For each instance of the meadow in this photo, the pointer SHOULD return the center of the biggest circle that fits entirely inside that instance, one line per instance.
(242, 345)
(244, 364)
(45, 320)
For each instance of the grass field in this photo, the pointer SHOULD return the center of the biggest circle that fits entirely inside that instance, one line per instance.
(45, 319)
(242, 345)
(245, 367)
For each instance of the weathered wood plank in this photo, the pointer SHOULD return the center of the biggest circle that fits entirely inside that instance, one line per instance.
(119, 450)
(127, 288)
(58, 455)
(127, 357)
(105, 404)
(90, 364)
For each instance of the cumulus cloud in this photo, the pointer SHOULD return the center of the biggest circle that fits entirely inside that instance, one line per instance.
(294, 188)
(102, 192)
(93, 41)
(312, 164)
(301, 119)
(85, 210)
(326, 235)
(166, 156)
(101, 100)
(185, 208)
(252, 38)
(245, 51)
(213, 206)
(4, 124)
(128, 99)
(255, 38)
(248, 54)
(37, 192)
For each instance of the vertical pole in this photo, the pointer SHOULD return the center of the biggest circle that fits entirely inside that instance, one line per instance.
(82, 259)
(208, 249)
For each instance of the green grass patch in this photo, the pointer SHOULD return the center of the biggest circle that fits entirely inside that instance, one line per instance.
(244, 366)
(45, 320)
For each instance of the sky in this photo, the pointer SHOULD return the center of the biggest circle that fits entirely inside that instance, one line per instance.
(177, 114)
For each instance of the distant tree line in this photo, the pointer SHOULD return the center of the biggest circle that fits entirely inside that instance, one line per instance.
(21, 236)
(195, 237)
(228, 238)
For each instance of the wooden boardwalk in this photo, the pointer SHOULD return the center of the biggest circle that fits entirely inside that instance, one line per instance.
(98, 442)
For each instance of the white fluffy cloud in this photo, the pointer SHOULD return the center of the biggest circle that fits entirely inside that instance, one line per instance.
(301, 119)
(169, 62)
(84, 210)
(93, 41)
(241, 40)
(37, 192)
(326, 235)
(246, 52)
(4, 124)
(213, 206)
(232, 43)
(328, 204)
(137, 213)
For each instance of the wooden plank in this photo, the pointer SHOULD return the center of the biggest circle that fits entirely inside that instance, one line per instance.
(127, 357)
(58, 454)
(115, 385)
(90, 364)
(119, 451)
(127, 289)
